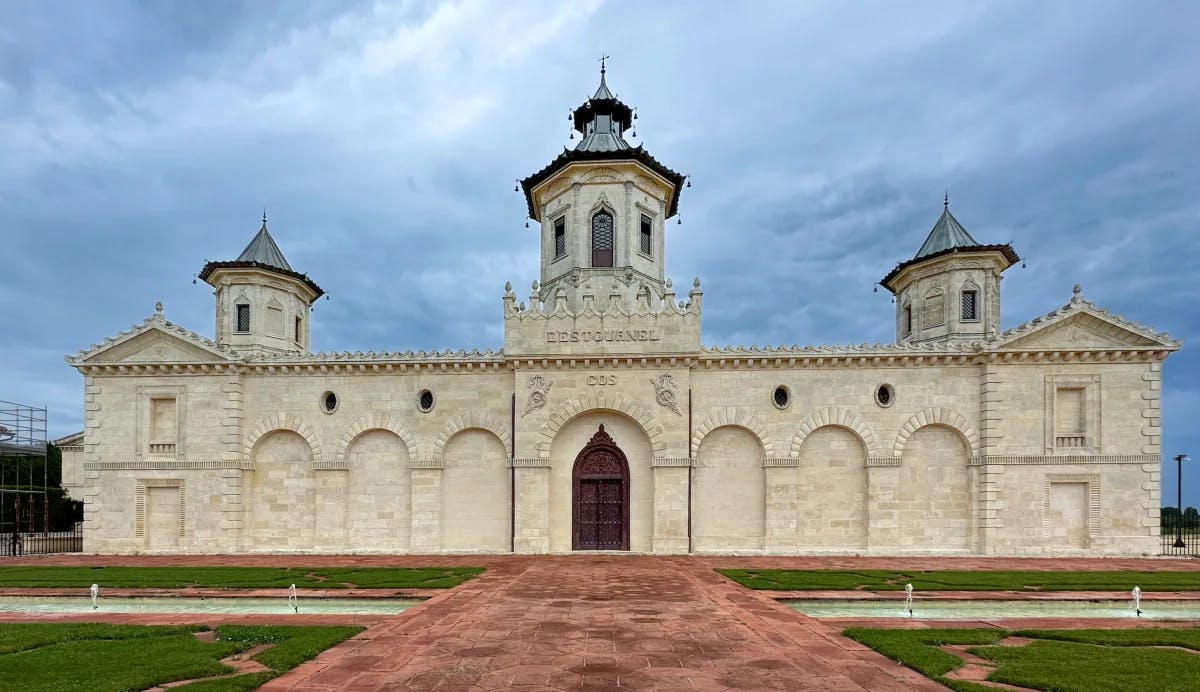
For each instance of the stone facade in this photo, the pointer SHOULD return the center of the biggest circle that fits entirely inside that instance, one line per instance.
(958, 438)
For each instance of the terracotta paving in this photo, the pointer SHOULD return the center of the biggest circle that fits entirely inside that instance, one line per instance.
(608, 621)
(570, 622)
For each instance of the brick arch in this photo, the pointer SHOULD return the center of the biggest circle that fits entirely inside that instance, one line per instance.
(736, 417)
(937, 415)
(282, 421)
(587, 402)
(466, 420)
(839, 417)
(375, 421)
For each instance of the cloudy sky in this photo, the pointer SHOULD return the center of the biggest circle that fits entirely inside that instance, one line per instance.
(139, 139)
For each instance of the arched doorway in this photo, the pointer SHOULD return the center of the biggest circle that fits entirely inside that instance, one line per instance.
(600, 496)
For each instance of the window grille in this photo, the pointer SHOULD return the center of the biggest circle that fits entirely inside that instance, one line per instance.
(970, 310)
(560, 236)
(243, 318)
(602, 239)
(647, 235)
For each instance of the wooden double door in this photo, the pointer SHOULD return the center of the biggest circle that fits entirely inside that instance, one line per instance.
(600, 496)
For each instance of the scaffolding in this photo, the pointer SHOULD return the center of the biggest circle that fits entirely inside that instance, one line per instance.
(24, 496)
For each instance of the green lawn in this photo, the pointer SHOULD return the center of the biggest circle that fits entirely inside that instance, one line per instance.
(96, 657)
(238, 577)
(946, 580)
(1060, 660)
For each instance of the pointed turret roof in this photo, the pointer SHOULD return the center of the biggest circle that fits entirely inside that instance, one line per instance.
(947, 234)
(602, 121)
(946, 237)
(263, 250)
(262, 253)
(602, 92)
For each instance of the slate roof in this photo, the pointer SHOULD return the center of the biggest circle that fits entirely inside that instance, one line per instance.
(263, 250)
(263, 253)
(947, 237)
(947, 233)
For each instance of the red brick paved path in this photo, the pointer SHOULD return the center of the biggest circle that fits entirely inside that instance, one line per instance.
(567, 622)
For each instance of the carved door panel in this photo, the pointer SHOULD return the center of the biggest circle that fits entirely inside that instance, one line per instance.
(601, 496)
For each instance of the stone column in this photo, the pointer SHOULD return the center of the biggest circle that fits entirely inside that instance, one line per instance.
(426, 517)
(232, 509)
(986, 522)
(670, 518)
(883, 503)
(532, 525)
(332, 493)
(780, 514)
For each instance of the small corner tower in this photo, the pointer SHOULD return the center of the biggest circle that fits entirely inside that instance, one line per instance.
(950, 290)
(602, 209)
(262, 304)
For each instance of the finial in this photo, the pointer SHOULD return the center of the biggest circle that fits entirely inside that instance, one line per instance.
(508, 287)
(158, 308)
(946, 200)
(696, 282)
(602, 59)
(1076, 289)
(264, 217)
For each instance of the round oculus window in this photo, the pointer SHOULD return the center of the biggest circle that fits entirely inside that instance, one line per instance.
(425, 400)
(329, 402)
(885, 396)
(782, 397)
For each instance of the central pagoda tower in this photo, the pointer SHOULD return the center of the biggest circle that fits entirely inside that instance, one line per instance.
(602, 208)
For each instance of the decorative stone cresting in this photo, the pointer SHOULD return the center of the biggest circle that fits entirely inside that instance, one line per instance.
(586, 402)
(375, 421)
(737, 417)
(842, 418)
(937, 415)
(282, 421)
(466, 420)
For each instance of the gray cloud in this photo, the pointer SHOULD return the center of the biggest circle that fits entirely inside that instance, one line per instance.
(140, 140)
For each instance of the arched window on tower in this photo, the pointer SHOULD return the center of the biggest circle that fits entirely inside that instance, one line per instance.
(602, 239)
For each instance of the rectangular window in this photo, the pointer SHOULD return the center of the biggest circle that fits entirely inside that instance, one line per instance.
(164, 426)
(243, 318)
(1070, 424)
(970, 302)
(935, 310)
(560, 236)
(298, 330)
(906, 323)
(274, 321)
(647, 235)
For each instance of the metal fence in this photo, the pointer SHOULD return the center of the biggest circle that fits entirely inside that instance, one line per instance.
(1181, 534)
(30, 528)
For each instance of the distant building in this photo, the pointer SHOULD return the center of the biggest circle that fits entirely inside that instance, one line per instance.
(604, 424)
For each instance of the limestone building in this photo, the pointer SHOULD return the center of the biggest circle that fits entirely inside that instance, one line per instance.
(604, 423)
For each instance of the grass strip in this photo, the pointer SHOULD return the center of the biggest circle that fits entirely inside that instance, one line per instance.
(1066, 666)
(1184, 638)
(952, 580)
(108, 658)
(1060, 660)
(237, 577)
(17, 637)
(917, 648)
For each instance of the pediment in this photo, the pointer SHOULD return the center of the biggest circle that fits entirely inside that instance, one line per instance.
(155, 346)
(1083, 330)
(154, 341)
